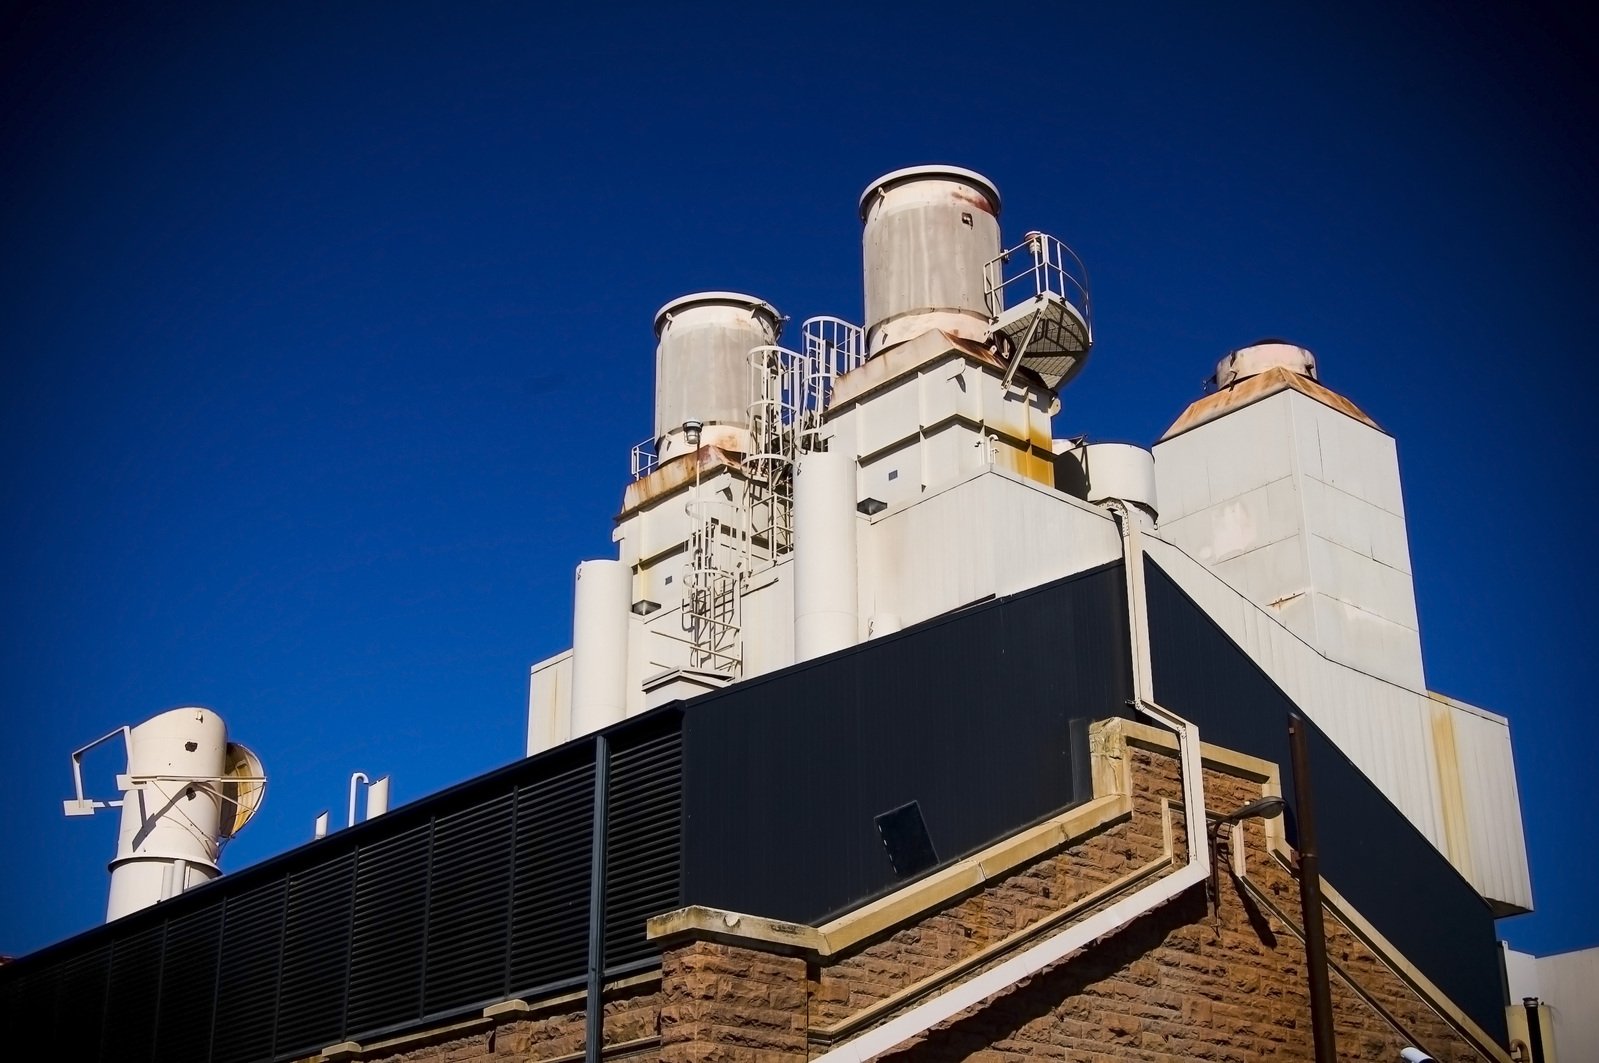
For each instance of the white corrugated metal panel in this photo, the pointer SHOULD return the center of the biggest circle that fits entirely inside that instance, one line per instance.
(1492, 801)
(992, 533)
(549, 703)
(1388, 731)
(1568, 982)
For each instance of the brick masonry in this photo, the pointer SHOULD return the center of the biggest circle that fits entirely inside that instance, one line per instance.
(1197, 978)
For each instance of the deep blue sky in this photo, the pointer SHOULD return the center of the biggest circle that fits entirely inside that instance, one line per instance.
(326, 331)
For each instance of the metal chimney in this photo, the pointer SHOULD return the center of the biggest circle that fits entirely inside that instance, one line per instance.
(929, 232)
(702, 369)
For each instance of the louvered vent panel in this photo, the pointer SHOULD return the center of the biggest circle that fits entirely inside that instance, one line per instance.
(188, 986)
(469, 906)
(316, 947)
(247, 986)
(386, 955)
(131, 998)
(549, 923)
(29, 996)
(643, 842)
(80, 1006)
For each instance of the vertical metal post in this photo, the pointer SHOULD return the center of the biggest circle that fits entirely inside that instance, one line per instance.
(1321, 1022)
(594, 1022)
(1534, 1028)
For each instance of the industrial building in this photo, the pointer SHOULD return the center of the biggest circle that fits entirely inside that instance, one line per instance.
(903, 723)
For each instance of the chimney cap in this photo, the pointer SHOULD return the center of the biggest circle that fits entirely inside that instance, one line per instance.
(1257, 357)
(738, 299)
(929, 172)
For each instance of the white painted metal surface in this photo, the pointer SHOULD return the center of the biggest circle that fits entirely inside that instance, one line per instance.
(1565, 982)
(171, 826)
(599, 645)
(929, 232)
(1299, 506)
(1390, 732)
(1255, 359)
(702, 364)
(549, 703)
(826, 588)
(1120, 471)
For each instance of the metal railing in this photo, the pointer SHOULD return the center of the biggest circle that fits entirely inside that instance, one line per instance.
(1040, 265)
(832, 346)
(645, 459)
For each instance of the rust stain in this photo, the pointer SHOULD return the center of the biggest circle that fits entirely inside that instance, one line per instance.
(978, 200)
(676, 473)
(1452, 791)
(1259, 387)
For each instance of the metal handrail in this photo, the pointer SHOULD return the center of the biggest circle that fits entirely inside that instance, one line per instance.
(1052, 268)
(645, 459)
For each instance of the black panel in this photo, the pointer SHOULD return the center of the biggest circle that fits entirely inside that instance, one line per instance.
(316, 956)
(906, 841)
(969, 715)
(80, 1004)
(469, 905)
(643, 838)
(391, 883)
(1370, 852)
(189, 985)
(247, 985)
(549, 913)
(132, 997)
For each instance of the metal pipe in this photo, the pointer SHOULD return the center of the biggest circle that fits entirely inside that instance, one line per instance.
(594, 1015)
(1321, 1021)
(1534, 1028)
(357, 777)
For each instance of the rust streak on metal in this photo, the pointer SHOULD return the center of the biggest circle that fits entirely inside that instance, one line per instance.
(676, 473)
(978, 200)
(1259, 387)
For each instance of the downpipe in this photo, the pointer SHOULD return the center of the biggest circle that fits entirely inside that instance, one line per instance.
(1053, 950)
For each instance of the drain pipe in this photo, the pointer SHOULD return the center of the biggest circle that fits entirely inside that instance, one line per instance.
(1029, 962)
(1321, 1016)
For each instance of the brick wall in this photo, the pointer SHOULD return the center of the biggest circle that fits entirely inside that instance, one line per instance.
(1197, 978)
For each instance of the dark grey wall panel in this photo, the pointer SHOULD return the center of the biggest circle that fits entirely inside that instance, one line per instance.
(247, 983)
(132, 997)
(969, 715)
(1370, 852)
(643, 840)
(390, 927)
(550, 901)
(316, 957)
(469, 905)
(189, 985)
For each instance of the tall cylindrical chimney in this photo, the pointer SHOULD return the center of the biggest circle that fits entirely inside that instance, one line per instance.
(929, 232)
(599, 645)
(702, 368)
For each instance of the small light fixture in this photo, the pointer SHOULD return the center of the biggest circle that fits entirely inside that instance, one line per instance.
(644, 607)
(871, 506)
(1269, 807)
(691, 432)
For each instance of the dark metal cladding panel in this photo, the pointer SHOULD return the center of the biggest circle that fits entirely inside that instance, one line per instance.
(468, 906)
(969, 715)
(643, 842)
(80, 1004)
(132, 996)
(391, 884)
(549, 904)
(1370, 852)
(247, 984)
(316, 954)
(189, 986)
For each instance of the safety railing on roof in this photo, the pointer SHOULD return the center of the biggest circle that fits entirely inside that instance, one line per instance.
(1039, 265)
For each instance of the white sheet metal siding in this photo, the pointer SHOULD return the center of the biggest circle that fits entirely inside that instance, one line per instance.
(1389, 731)
(1299, 507)
(994, 533)
(549, 703)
